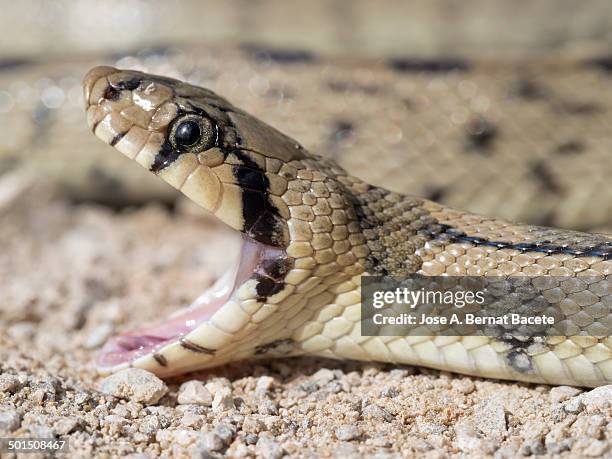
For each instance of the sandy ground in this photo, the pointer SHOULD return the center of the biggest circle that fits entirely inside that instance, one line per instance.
(73, 275)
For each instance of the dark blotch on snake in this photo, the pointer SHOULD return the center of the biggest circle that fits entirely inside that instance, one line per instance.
(261, 219)
(480, 135)
(277, 269)
(541, 172)
(267, 287)
(117, 138)
(160, 359)
(130, 84)
(249, 178)
(447, 233)
(280, 56)
(573, 147)
(193, 347)
(166, 156)
(436, 193)
(415, 65)
(520, 361)
(12, 63)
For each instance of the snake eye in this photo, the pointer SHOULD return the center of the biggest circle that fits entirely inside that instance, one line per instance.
(187, 133)
(193, 133)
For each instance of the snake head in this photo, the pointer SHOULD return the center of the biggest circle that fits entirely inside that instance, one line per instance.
(293, 208)
(225, 160)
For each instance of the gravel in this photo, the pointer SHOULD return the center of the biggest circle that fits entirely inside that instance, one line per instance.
(94, 260)
(562, 393)
(194, 392)
(134, 384)
(348, 433)
(10, 420)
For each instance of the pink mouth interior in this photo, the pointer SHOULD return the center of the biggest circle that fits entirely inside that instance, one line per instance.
(146, 340)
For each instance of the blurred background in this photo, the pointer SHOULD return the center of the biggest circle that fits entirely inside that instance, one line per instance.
(494, 106)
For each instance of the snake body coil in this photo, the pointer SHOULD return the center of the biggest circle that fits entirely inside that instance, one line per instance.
(310, 231)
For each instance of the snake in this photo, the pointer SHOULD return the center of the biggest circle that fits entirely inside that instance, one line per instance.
(311, 232)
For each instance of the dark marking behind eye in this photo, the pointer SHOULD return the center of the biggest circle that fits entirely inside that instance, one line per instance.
(166, 156)
(261, 219)
(250, 178)
(411, 65)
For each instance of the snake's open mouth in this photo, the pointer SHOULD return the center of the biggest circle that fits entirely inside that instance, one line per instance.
(146, 340)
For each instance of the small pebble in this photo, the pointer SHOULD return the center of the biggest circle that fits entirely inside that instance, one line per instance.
(490, 419)
(10, 420)
(223, 400)
(267, 406)
(9, 383)
(323, 376)
(65, 425)
(533, 446)
(193, 420)
(216, 384)
(562, 393)
(251, 439)
(212, 442)
(573, 406)
(347, 433)
(390, 392)
(268, 448)
(597, 448)
(264, 385)
(599, 398)
(99, 335)
(194, 392)
(226, 432)
(376, 412)
(253, 425)
(309, 387)
(134, 384)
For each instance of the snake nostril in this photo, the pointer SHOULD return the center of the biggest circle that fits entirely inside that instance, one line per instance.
(112, 93)
(93, 76)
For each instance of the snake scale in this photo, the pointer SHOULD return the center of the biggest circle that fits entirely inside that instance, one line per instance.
(310, 231)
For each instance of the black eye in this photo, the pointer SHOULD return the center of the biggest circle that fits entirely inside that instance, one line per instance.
(187, 133)
(193, 133)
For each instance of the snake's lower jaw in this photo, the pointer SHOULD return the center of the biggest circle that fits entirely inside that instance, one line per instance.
(143, 343)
